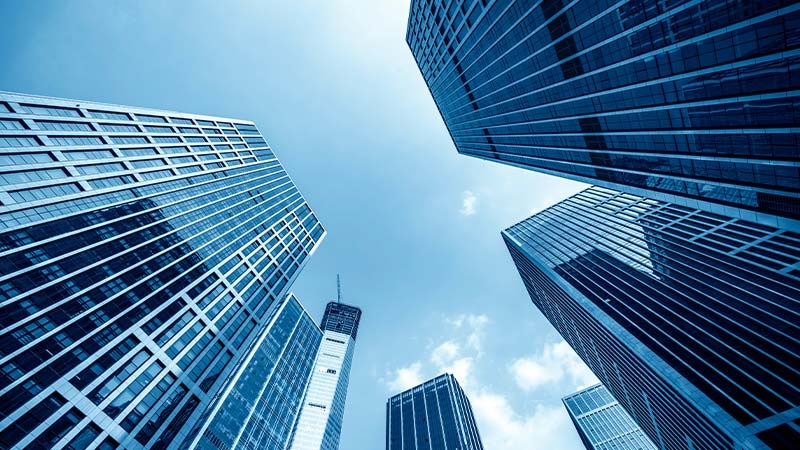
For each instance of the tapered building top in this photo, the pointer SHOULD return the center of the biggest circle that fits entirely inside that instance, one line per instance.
(341, 318)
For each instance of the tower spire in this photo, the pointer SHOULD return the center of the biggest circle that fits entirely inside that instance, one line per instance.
(338, 289)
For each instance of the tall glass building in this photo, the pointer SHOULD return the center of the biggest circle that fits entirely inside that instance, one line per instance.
(262, 403)
(691, 319)
(435, 415)
(140, 253)
(602, 423)
(319, 424)
(688, 101)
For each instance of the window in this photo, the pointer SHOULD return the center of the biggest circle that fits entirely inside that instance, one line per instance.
(188, 130)
(183, 160)
(156, 174)
(205, 123)
(84, 438)
(110, 182)
(25, 158)
(92, 154)
(177, 149)
(195, 139)
(181, 121)
(147, 163)
(138, 151)
(8, 124)
(166, 139)
(154, 129)
(18, 141)
(129, 140)
(118, 128)
(100, 168)
(63, 126)
(154, 119)
(211, 131)
(75, 140)
(29, 195)
(121, 374)
(258, 142)
(246, 128)
(32, 176)
(225, 124)
(109, 115)
(49, 111)
(216, 139)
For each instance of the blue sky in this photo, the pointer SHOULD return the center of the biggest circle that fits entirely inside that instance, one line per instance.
(414, 228)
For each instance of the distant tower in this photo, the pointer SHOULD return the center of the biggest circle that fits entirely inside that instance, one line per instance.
(435, 415)
(602, 423)
(320, 422)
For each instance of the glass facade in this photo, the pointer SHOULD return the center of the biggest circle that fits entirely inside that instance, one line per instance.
(138, 264)
(260, 407)
(602, 423)
(435, 415)
(319, 424)
(688, 101)
(691, 319)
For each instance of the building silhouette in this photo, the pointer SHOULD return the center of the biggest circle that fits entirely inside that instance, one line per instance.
(602, 423)
(689, 318)
(141, 254)
(436, 415)
(685, 102)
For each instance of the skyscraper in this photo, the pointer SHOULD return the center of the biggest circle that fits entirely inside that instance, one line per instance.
(435, 415)
(320, 422)
(260, 407)
(140, 253)
(691, 319)
(690, 102)
(602, 423)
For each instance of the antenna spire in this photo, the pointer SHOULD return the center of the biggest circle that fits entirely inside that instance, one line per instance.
(338, 289)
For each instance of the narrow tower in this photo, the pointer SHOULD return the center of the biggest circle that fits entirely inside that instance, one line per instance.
(320, 422)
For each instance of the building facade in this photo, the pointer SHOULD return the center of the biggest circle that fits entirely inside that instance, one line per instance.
(602, 423)
(140, 253)
(435, 415)
(319, 424)
(261, 405)
(691, 319)
(689, 102)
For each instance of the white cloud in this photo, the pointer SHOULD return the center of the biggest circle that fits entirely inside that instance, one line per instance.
(468, 204)
(556, 363)
(502, 426)
(445, 353)
(406, 377)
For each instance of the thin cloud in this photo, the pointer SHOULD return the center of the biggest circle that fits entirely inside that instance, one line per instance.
(469, 204)
(556, 363)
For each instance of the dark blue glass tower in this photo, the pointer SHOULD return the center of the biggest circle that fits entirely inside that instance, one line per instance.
(140, 253)
(435, 415)
(262, 403)
(691, 319)
(690, 102)
(602, 423)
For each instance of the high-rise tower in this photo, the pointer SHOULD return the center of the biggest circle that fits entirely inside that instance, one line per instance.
(260, 407)
(140, 253)
(320, 422)
(690, 102)
(691, 319)
(435, 415)
(602, 423)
